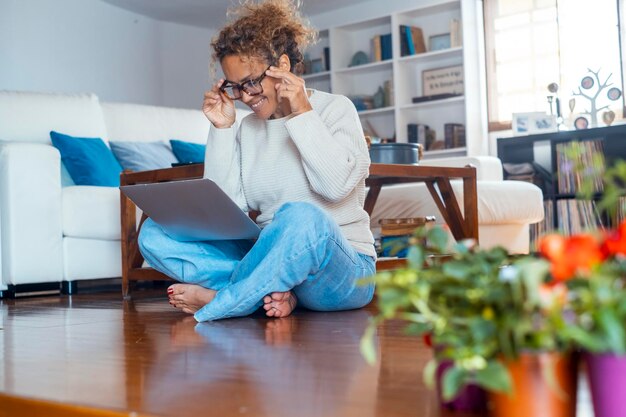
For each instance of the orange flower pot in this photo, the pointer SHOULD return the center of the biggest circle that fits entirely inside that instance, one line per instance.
(533, 394)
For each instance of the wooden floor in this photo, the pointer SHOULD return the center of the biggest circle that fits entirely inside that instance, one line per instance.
(98, 355)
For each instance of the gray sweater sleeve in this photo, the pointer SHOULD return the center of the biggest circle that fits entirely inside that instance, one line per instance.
(222, 163)
(333, 148)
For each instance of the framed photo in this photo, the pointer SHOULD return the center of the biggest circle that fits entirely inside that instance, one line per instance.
(439, 42)
(447, 80)
(533, 122)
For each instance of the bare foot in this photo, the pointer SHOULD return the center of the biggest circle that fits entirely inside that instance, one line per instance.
(279, 304)
(189, 298)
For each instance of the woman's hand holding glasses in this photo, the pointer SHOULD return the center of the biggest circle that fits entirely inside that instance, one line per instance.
(218, 108)
(291, 88)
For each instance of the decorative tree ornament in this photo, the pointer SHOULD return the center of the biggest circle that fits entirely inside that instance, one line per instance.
(608, 117)
(572, 104)
(587, 83)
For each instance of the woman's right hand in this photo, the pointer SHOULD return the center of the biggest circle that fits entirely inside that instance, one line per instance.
(218, 108)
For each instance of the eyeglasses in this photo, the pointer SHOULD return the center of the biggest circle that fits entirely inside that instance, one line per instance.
(234, 91)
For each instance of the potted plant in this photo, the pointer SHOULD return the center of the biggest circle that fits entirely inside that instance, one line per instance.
(593, 267)
(491, 318)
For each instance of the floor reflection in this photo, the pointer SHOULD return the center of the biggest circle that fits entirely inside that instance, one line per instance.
(299, 365)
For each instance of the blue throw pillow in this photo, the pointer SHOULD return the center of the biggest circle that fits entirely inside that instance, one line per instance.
(143, 156)
(188, 152)
(88, 160)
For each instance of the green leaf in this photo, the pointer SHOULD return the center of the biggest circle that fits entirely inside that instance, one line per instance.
(368, 348)
(452, 382)
(430, 372)
(584, 339)
(494, 377)
(613, 330)
(416, 257)
(457, 269)
(438, 238)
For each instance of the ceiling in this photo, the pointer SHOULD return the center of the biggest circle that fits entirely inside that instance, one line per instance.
(209, 13)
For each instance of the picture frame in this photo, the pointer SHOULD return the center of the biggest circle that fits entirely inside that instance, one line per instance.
(533, 122)
(446, 80)
(439, 42)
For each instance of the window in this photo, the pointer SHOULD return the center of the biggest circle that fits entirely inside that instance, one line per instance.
(532, 43)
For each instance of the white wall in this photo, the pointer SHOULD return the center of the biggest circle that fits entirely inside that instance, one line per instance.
(363, 11)
(91, 46)
(185, 55)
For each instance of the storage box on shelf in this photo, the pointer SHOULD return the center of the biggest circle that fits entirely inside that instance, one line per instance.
(397, 74)
(550, 168)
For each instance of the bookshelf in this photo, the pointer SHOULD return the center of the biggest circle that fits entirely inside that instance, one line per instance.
(383, 88)
(545, 152)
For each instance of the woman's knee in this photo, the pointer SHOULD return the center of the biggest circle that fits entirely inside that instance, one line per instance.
(302, 214)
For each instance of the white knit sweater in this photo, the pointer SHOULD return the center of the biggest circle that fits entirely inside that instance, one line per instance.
(319, 157)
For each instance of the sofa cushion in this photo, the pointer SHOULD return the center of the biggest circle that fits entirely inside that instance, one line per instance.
(88, 160)
(91, 212)
(29, 117)
(187, 152)
(499, 202)
(143, 123)
(143, 156)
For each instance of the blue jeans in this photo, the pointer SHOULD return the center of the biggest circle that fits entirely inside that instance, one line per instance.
(302, 250)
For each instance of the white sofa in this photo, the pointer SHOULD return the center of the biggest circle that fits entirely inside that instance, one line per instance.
(505, 208)
(51, 233)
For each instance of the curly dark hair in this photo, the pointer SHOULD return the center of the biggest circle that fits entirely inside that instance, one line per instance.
(267, 29)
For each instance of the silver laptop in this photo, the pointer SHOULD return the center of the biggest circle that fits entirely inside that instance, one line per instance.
(193, 210)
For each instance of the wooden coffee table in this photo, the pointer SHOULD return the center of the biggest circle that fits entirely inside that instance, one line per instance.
(437, 179)
(463, 225)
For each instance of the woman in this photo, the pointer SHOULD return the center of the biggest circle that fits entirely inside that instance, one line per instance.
(300, 160)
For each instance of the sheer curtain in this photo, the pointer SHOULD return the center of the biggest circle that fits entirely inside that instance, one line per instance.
(532, 43)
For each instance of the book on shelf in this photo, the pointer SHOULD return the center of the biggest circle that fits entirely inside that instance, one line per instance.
(326, 57)
(376, 49)
(456, 34)
(418, 39)
(411, 40)
(569, 179)
(577, 216)
(454, 135)
(620, 213)
(385, 46)
(539, 229)
(417, 133)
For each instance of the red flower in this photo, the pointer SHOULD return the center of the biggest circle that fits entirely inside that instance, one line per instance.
(552, 247)
(578, 253)
(615, 242)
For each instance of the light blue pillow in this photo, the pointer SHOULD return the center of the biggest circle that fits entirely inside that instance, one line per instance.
(188, 152)
(66, 178)
(88, 160)
(143, 156)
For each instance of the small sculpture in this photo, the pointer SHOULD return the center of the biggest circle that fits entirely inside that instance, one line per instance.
(587, 83)
(554, 88)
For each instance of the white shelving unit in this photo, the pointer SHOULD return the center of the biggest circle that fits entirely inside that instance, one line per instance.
(405, 73)
(319, 80)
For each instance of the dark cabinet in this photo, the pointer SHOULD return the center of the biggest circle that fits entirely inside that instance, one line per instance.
(543, 159)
